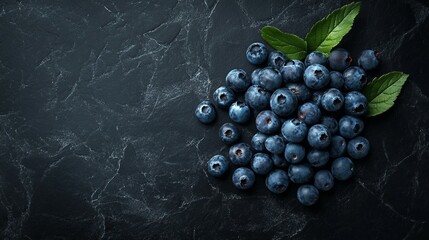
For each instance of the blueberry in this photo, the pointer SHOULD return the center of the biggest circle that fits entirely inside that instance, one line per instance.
(350, 127)
(205, 112)
(354, 78)
(337, 147)
(261, 163)
(276, 59)
(331, 124)
(318, 158)
(307, 195)
(243, 178)
(294, 153)
(300, 173)
(257, 98)
(258, 142)
(239, 112)
(332, 100)
(255, 76)
(318, 136)
(369, 59)
(257, 53)
(337, 80)
(277, 181)
(270, 78)
(275, 144)
(268, 122)
(283, 102)
(355, 103)
(339, 59)
(342, 168)
(293, 71)
(279, 160)
(358, 147)
(323, 180)
(229, 133)
(317, 98)
(237, 80)
(294, 130)
(217, 165)
(240, 154)
(316, 76)
(300, 90)
(316, 57)
(309, 113)
(223, 97)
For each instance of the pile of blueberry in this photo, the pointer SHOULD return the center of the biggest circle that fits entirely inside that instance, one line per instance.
(308, 116)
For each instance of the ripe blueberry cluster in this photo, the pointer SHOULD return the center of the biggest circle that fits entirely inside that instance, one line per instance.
(308, 115)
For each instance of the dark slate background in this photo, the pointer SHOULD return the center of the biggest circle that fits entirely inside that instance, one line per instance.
(98, 138)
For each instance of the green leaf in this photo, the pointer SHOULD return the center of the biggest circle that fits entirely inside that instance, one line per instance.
(328, 32)
(383, 91)
(291, 45)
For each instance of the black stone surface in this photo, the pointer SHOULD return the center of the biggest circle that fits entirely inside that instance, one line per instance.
(98, 139)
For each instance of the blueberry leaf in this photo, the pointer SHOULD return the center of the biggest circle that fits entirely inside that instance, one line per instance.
(328, 32)
(291, 45)
(383, 91)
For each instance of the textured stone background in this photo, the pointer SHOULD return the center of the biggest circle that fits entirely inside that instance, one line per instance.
(98, 138)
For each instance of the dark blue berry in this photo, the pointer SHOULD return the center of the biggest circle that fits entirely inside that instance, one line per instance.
(277, 181)
(261, 163)
(257, 53)
(307, 195)
(217, 165)
(239, 112)
(229, 133)
(243, 178)
(240, 154)
(205, 112)
(237, 80)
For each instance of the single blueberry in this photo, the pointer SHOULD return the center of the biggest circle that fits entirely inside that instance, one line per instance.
(240, 154)
(237, 80)
(257, 98)
(283, 102)
(223, 97)
(319, 136)
(294, 153)
(255, 76)
(270, 79)
(268, 122)
(315, 57)
(332, 100)
(355, 103)
(293, 71)
(358, 147)
(354, 78)
(300, 173)
(309, 113)
(258, 142)
(239, 112)
(205, 112)
(369, 59)
(257, 53)
(317, 98)
(294, 130)
(279, 161)
(337, 147)
(261, 163)
(318, 158)
(316, 76)
(275, 144)
(243, 178)
(339, 59)
(277, 181)
(229, 133)
(350, 127)
(342, 168)
(307, 195)
(276, 59)
(330, 123)
(217, 165)
(337, 80)
(323, 180)
(300, 90)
